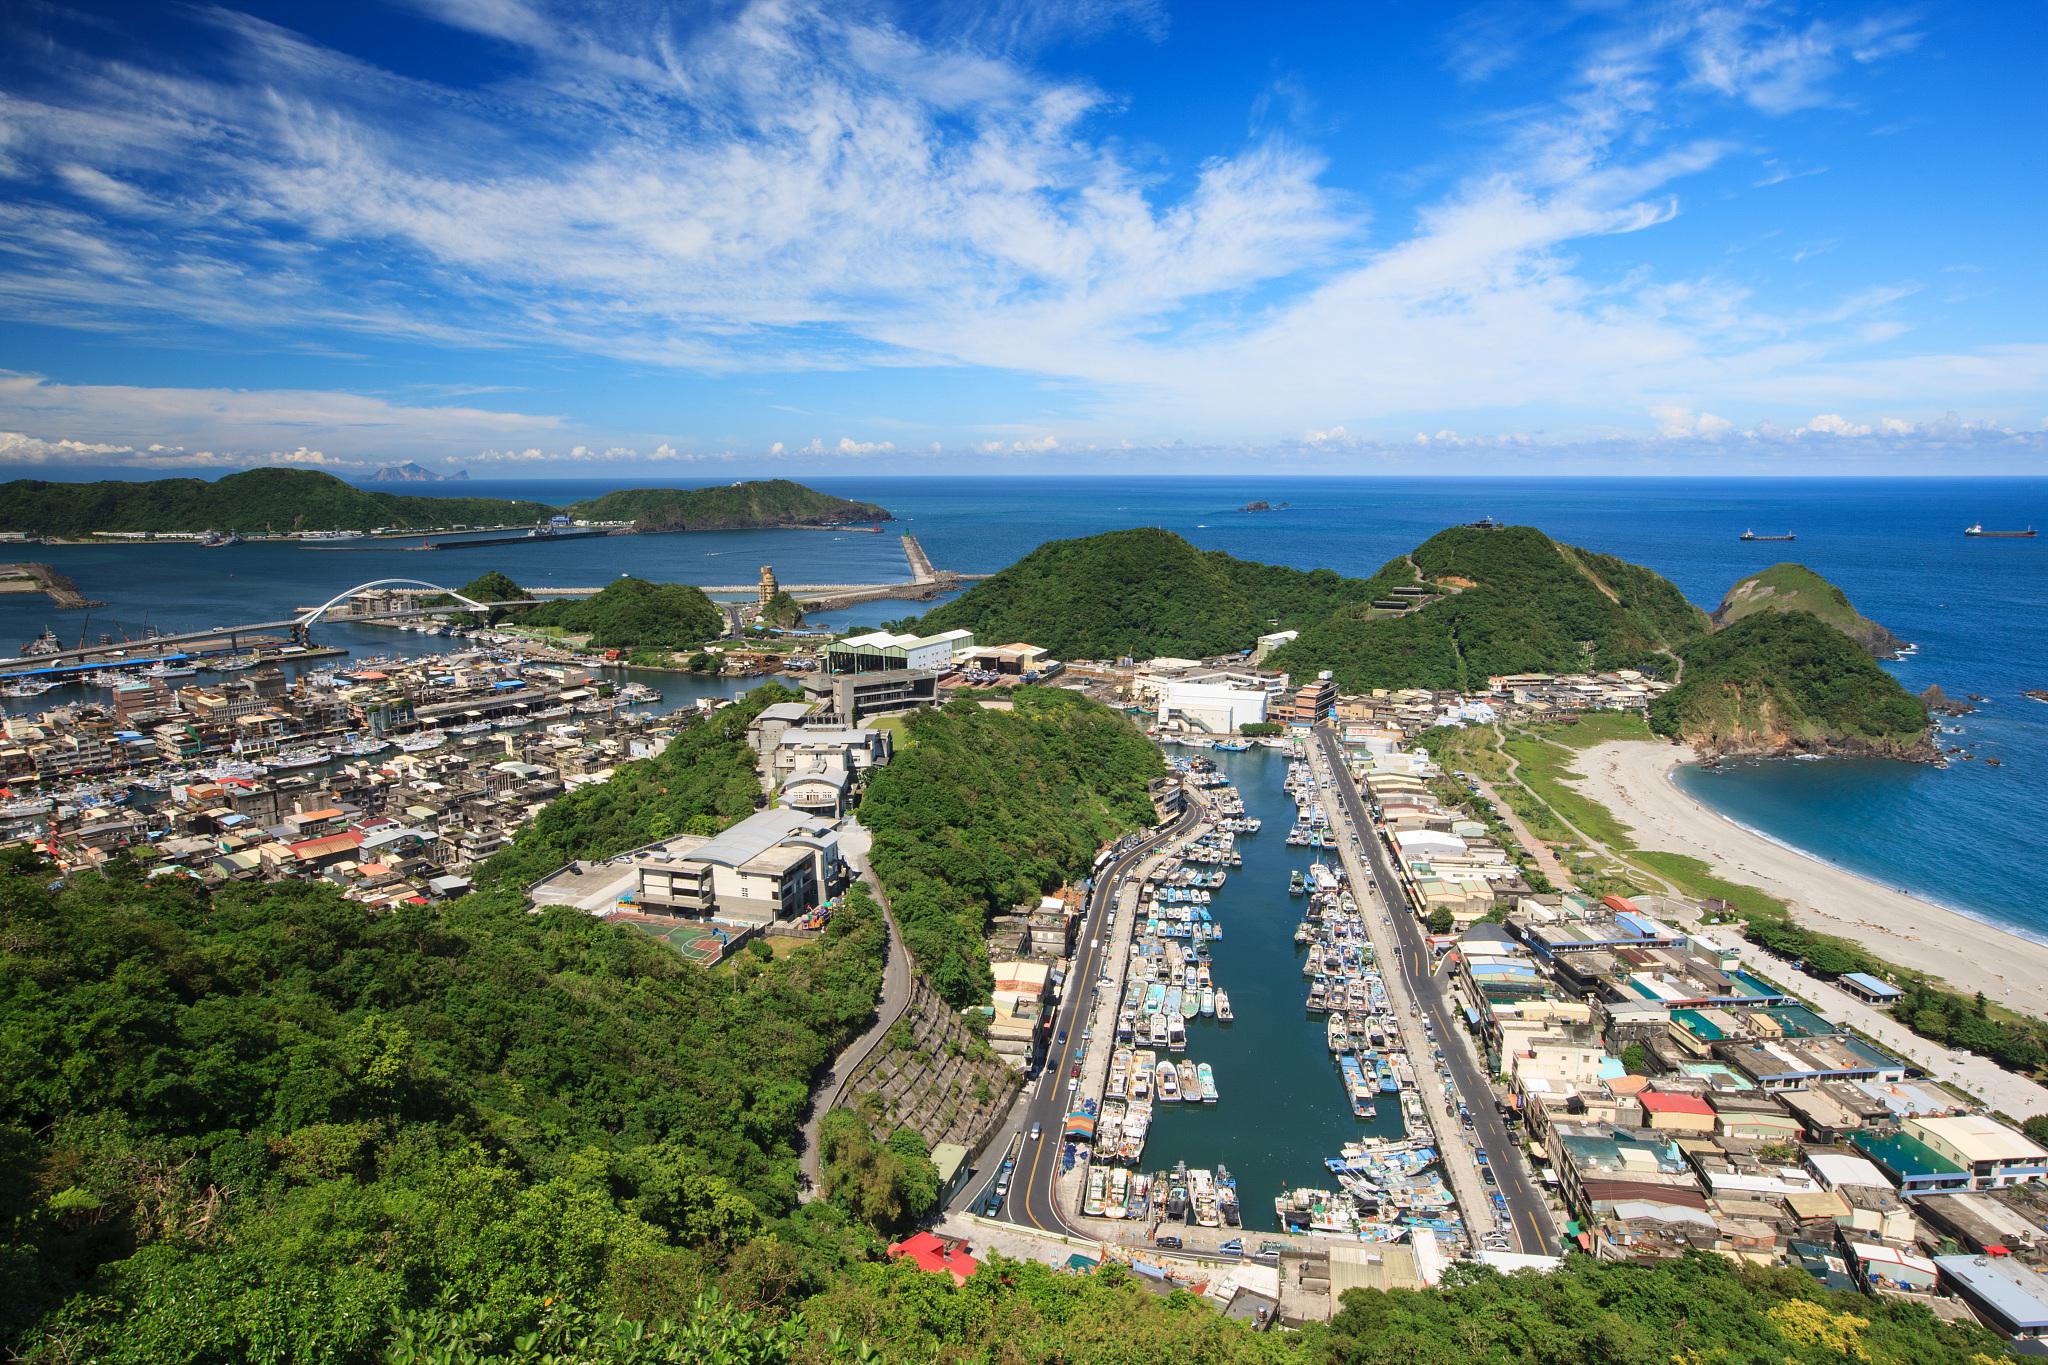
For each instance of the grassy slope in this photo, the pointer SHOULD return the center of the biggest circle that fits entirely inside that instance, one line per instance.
(1794, 587)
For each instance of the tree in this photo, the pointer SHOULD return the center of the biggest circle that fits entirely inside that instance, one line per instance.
(1441, 921)
(1635, 1059)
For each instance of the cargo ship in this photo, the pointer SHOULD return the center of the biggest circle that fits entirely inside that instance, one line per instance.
(1978, 530)
(1751, 535)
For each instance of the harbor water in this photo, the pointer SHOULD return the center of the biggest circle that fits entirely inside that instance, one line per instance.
(1281, 1107)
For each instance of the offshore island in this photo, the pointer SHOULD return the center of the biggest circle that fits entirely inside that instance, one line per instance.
(1276, 935)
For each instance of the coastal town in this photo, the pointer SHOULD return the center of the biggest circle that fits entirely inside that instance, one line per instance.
(1522, 1061)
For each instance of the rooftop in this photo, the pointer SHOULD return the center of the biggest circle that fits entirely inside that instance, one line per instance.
(2009, 1289)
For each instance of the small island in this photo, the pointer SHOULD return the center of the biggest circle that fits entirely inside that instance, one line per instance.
(1261, 505)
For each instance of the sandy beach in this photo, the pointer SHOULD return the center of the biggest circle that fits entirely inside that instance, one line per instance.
(1633, 779)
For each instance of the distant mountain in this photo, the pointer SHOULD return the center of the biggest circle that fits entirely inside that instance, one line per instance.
(409, 472)
(1794, 587)
(253, 502)
(1143, 592)
(729, 507)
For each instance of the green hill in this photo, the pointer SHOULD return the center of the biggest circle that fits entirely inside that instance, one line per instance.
(729, 507)
(1510, 600)
(632, 613)
(1142, 593)
(1794, 587)
(279, 500)
(1786, 682)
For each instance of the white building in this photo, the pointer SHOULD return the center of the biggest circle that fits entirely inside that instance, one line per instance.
(1217, 707)
(775, 864)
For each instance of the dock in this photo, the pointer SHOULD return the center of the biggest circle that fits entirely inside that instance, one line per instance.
(36, 577)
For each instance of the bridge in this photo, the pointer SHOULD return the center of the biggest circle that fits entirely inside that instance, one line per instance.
(231, 639)
(925, 582)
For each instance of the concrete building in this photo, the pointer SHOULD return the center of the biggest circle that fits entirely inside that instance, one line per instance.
(775, 864)
(850, 698)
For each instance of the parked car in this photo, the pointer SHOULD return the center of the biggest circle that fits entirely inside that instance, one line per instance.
(1169, 1241)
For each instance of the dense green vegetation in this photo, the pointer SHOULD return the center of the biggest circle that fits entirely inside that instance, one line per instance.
(252, 502)
(632, 613)
(727, 507)
(888, 1184)
(492, 586)
(1689, 1311)
(1794, 587)
(262, 1124)
(1139, 593)
(1785, 680)
(1515, 601)
(983, 810)
(783, 610)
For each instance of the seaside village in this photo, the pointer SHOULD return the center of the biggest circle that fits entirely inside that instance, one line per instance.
(1657, 1094)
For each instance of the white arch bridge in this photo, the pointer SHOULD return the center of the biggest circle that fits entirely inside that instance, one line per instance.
(230, 638)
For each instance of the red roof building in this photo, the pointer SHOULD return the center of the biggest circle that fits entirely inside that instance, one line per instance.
(935, 1255)
(1679, 1113)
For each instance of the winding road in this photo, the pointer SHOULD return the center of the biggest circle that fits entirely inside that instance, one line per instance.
(830, 1085)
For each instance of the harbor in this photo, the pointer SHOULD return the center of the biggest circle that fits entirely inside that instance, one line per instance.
(1236, 1002)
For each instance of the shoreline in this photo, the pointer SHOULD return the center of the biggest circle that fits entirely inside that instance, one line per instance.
(1634, 779)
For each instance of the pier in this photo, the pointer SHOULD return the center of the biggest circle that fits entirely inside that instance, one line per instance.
(925, 582)
(35, 577)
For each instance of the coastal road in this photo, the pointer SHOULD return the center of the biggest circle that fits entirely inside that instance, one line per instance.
(1527, 1212)
(1034, 1196)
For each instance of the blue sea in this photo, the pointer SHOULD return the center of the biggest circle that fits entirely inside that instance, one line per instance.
(1970, 836)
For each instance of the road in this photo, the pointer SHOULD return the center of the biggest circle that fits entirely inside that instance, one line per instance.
(1034, 1197)
(1527, 1212)
(854, 842)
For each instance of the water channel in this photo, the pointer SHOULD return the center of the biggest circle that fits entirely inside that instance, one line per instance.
(1282, 1108)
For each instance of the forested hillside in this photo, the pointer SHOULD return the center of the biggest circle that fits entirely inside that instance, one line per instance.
(252, 502)
(1142, 593)
(981, 810)
(1786, 682)
(632, 613)
(727, 507)
(1512, 601)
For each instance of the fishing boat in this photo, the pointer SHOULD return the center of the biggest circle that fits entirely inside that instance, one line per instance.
(1190, 1082)
(1751, 535)
(297, 758)
(169, 671)
(1208, 1002)
(420, 744)
(1297, 885)
(1205, 1077)
(1176, 1032)
(1226, 1198)
(1338, 1033)
(1223, 1006)
(1978, 531)
(1166, 1082)
(1142, 1075)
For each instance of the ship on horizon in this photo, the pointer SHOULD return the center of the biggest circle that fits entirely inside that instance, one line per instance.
(1751, 535)
(1978, 530)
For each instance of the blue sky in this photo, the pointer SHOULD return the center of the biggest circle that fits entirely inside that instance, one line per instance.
(1088, 235)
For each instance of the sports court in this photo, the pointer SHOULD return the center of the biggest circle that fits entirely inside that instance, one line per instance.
(702, 944)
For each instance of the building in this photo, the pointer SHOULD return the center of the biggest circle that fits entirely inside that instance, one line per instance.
(1992, 1154)
(880, 651)
(2006, 1296)
(1869, 989)
(776, 864)
(765, 593)
(936, 1255)
(1312, 703)
(1218, 708)
(850, 698)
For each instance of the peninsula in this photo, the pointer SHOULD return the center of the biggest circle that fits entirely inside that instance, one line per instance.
(1469, 604)
(1796, 588)
(281, 502)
